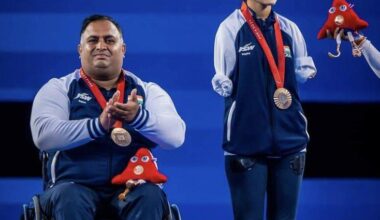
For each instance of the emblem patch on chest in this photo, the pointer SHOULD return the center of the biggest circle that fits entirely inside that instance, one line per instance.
(246, 49)
(83, 97)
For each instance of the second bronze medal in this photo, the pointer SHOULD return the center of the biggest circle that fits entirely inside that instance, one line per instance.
(282, 98)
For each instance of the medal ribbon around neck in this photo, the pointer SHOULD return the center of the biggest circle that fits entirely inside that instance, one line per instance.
(99, 96)
(277, 72)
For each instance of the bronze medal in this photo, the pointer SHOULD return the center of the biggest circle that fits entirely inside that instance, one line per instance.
(121, 137)
(282, 98)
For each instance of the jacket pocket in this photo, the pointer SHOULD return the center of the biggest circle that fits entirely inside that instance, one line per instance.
(229, 120)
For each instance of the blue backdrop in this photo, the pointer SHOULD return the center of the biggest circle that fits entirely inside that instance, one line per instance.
(169, 42)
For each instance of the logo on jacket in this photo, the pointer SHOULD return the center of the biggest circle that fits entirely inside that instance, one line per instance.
(83, 97)
(245, 50)
(287, 52)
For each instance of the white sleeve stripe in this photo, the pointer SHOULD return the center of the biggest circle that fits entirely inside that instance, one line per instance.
(146, 115)
(99, 128)
(90, 129)
(138, 118)
(142, 119)
(96, 132)
(94, 128)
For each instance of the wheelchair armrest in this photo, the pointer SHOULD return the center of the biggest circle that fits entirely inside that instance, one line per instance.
(31, 211)
(174, 212)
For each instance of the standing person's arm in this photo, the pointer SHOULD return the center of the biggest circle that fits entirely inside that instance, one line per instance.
(224, 61)
(372, 55)
(303, 63)
(50, 124)
(159, 120)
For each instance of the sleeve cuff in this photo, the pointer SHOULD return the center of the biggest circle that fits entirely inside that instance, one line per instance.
(305, 68)
(95, 129)
(364, 44)
(140, 120)
(222, 85)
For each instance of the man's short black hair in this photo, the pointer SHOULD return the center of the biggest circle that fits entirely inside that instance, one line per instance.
(98, 17)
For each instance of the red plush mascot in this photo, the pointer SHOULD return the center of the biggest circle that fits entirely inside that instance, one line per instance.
(342, 16)
(142, 167)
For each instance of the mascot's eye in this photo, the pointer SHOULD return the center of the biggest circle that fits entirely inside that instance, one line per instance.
(342, 7)
(145, 159)
(332, 10)
(134, 159)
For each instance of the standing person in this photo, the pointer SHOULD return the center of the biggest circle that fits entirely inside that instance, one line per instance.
(87, 140)
(365, 47)
(259, 57)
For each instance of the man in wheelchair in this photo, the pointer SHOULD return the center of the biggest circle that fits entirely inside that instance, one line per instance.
(89, 124)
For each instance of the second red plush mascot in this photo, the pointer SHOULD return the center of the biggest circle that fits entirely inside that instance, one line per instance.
(342, 16)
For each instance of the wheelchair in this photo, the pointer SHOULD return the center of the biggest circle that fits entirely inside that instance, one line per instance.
(32, 210)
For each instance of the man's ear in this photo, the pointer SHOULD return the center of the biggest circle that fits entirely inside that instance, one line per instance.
(79, 49)
(124, 48)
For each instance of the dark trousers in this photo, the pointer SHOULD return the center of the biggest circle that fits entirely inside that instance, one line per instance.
(252, 180)
(74, 201)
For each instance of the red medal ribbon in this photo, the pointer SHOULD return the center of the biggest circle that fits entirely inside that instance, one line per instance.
(277, 72)
(99, 96)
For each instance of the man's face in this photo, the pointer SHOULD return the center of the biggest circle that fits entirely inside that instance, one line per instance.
(101, 49)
